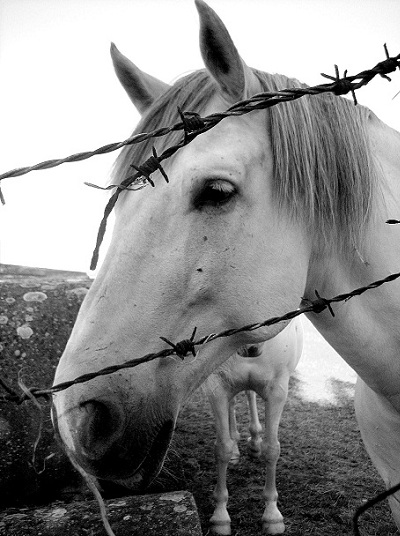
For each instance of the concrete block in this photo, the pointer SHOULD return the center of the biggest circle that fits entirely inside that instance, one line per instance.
(167, 514)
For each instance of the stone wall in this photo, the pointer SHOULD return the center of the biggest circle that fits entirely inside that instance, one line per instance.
(37, 311)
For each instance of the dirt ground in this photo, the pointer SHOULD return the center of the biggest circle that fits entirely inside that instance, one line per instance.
(324, 473)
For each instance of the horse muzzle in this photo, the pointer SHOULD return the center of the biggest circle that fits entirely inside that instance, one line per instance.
(100, 437)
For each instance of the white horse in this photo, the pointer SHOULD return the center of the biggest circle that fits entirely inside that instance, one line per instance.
(260, 211)
(264, 369)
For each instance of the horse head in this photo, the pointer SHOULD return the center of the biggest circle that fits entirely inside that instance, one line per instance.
(212, 249)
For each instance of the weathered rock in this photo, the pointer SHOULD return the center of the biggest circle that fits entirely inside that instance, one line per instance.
(168, 514)
(10, 271)
(38, 309)
(37, 313)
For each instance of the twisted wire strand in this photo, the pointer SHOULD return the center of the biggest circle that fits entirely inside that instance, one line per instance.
(316, 306)
(77, 157)
(182, 348)
(339, 86)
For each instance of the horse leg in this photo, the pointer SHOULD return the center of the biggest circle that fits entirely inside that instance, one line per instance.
(379, 425)
(275, 397)
(224, 446)
(234, 433)
(255, 428)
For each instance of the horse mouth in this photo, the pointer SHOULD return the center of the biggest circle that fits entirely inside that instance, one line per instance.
(141, 476)
(151, 465)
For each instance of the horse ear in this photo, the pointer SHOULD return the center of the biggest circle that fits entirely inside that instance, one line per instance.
(142, 88)
(221, 57)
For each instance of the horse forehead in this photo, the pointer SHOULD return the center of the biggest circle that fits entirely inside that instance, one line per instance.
(235, 139)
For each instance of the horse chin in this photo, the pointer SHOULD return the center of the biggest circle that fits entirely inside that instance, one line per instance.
(152, 463)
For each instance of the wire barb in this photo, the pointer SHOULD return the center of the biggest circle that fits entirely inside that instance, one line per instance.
(341, 86)
(192, 123)
(151, 165)
(320, 304)
(271, 98)
(389, 65)
(185, 347)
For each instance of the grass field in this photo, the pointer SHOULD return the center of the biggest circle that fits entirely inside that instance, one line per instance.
(324, 473)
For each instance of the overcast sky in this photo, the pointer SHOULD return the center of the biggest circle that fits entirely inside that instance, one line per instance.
(59, 93)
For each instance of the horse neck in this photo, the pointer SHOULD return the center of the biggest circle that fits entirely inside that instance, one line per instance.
(365, 330)
(331, 269)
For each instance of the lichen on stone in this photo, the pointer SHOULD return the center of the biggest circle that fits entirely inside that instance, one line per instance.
(25, 332)
(35, 296)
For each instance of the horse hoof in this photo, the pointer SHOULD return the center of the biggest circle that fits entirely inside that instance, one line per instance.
(223, 528)
(274, 528)
(254, 447)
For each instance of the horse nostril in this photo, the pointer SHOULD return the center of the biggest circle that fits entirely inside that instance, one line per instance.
(99, 426)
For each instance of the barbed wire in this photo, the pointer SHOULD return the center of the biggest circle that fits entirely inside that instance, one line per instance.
(182, 348)
(339, 86)
(193, 125)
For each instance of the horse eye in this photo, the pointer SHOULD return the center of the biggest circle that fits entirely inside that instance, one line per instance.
(215, 194)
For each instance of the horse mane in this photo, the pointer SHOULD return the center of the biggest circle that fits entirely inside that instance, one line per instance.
(324, 175)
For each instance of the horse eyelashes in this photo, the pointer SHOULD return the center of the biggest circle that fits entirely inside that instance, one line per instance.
(214, 194)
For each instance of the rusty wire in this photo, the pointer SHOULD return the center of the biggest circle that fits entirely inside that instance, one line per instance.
(182, 348)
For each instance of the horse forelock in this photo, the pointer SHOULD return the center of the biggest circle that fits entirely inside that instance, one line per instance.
(324, 175)
(191, 93)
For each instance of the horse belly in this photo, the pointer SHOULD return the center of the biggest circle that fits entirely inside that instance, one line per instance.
(379, 425)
